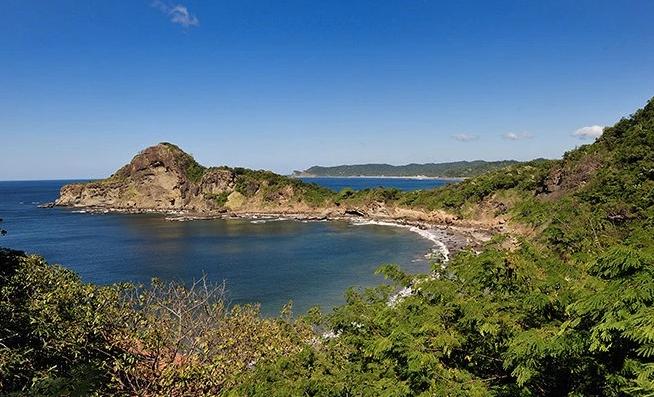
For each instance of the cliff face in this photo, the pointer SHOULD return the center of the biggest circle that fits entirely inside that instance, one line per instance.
(153, 179)
(163, 177)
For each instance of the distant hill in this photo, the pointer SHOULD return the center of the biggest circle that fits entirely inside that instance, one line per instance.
(449, 170)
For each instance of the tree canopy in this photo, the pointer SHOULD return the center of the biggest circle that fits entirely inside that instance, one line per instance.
(561, 304)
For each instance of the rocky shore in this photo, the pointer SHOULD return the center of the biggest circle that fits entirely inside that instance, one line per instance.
(453, 237)
(165, 180)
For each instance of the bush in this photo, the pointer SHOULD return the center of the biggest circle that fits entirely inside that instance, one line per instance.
(64, 337)
(54, 329)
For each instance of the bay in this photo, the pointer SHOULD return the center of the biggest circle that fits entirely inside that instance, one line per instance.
(269, 262)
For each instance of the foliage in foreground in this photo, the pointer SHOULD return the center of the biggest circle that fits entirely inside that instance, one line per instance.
(61, 337)
(565, 308)
(566, 311)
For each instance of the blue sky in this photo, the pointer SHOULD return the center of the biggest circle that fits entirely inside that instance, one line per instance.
(284, 85)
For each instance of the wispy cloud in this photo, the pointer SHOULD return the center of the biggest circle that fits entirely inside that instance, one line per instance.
(463, 137)
(590, 132)
(178, 14)
(517, 136)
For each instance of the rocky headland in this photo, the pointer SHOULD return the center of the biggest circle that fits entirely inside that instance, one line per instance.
(165, 179)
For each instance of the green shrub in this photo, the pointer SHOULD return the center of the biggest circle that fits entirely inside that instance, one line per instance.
(60, 336)
(220, 198)
(564, 309)
(54, 329)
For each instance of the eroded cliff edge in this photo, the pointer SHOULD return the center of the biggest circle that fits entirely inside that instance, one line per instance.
(163, 178)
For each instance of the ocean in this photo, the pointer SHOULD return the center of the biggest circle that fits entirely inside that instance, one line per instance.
(267, 262)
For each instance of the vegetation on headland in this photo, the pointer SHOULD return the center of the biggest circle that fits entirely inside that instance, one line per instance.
(457, 169)
(274, 186)
(560, 305)
(145, 183)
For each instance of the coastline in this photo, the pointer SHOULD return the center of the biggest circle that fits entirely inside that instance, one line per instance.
(418, 177)
(448, 237)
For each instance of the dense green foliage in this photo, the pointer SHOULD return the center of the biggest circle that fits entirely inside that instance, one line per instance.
(458, 169)
(220, 198)
(52, 338)
(61, 337)
(520, 178)
(566, 311)
(276, 188)
(562, 304)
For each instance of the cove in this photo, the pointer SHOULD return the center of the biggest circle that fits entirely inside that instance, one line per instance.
(269, 262)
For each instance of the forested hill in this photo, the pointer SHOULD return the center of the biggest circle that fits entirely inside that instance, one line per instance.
(457, 169)
(559, 304)
(562, 304)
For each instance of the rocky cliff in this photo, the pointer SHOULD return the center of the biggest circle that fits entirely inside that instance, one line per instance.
(165, 178)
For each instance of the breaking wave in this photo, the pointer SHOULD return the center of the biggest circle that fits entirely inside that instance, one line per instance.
(432, 235)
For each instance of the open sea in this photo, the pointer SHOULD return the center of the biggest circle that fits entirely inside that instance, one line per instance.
(269, 262)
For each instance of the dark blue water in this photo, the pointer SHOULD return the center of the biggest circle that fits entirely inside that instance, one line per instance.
(360, 183)
(270, 263)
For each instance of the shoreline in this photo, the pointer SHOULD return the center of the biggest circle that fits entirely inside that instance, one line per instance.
(447, 238)
(417, 177)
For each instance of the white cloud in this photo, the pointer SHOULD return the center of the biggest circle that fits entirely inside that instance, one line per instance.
(463, 137)
(178, 14)
(517, 136)
(591, 132)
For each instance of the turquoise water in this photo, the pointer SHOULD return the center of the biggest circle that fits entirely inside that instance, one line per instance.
(270, 263)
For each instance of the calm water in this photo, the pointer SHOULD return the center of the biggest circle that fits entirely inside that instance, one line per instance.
(404, 184)
(271, 263)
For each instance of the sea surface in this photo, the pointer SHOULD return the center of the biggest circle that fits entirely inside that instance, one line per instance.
(269, 262)
(360, 183)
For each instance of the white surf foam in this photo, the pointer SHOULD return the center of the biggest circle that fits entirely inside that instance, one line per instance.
(429, 234)
(258, 220)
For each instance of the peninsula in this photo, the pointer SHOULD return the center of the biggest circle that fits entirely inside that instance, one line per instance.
(450, 170)
(163, 178)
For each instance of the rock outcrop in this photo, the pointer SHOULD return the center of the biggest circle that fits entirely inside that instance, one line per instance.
(155, 179)
(165, 178)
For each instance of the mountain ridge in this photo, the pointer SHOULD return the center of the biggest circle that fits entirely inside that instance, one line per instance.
(454, 169)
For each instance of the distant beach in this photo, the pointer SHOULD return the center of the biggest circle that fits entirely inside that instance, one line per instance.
(442, 178)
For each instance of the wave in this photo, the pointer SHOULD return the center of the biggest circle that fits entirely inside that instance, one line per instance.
(258, 220)
(433, 235)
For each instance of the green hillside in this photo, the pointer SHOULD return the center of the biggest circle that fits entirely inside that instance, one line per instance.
(458, 169)
(562, 304)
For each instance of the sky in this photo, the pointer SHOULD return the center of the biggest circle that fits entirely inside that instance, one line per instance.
(284, 85)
